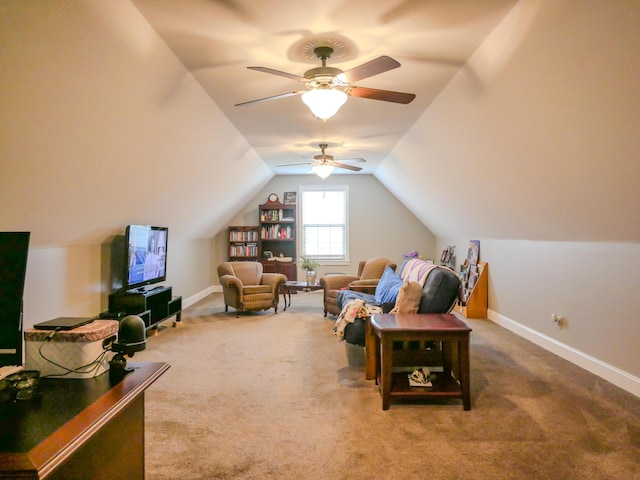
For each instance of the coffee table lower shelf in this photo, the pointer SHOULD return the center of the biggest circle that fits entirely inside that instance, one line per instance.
(442, 387)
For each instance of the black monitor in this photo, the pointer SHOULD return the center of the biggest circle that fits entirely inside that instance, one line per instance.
(146, 256)
(14, 247)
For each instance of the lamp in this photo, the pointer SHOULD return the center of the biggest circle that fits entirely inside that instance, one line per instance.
(323, 171)
(131, 339)
(324, 102)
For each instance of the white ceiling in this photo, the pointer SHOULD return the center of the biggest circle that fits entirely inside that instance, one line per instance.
(217, 39)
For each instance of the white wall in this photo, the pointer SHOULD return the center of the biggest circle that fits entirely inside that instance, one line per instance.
(101, 126)
(533, 149)
(593, 286)
(536, 137)
(379, 225)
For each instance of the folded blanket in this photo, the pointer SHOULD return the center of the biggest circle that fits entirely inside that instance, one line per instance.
(416, 270)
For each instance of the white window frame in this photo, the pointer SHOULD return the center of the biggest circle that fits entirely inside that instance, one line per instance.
(325, 188)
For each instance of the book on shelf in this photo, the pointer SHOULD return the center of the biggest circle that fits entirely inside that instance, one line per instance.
(243, 236)
(276, 231)
(473, 254)
(249, 250)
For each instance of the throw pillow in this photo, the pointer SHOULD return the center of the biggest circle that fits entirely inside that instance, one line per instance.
(402, 265)
(388, 286)
(409, 298)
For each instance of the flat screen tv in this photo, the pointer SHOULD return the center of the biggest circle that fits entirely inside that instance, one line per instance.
(14, 247)
(146, 257)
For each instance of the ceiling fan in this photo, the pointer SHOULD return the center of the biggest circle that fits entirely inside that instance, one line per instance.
(327, 88)
(324, 163)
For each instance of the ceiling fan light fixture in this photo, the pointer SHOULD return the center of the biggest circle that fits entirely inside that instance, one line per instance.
(324, 103)
(323, 171)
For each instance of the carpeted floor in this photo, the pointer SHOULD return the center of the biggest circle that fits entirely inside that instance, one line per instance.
(269, 396)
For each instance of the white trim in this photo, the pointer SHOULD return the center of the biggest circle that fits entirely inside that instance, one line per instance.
(612, 374)
(200, 295)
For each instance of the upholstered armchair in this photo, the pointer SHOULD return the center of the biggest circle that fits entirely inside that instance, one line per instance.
(246, 287)
(369, 273)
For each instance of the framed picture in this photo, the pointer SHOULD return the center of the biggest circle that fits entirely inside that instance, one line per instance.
(474, 251)
(290, 198)
(473, 278)
(447, 255)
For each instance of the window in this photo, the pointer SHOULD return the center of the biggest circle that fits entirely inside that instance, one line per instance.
(324, 221)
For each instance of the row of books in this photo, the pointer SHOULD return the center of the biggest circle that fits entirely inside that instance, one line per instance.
(276, 231)
(250, 250)
(274, 216)
(239, 236)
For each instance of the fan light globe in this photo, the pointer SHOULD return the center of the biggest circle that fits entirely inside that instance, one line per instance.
(323, 171)
(324, 103)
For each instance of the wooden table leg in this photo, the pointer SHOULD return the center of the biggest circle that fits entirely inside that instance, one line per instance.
(446, 357)
(286, 291)
(465, 372)
(370, 351)
(386, 364)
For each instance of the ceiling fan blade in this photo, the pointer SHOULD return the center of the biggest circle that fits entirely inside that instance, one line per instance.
(384, 95)
(292, 76)
(296, 164)
(345, 166)
(358, 160)
(266, 99)
(369, 69)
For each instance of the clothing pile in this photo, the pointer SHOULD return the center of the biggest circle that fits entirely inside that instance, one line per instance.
(352, 310)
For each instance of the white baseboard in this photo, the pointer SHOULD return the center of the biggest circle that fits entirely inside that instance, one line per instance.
(612, 374)
(187, 302)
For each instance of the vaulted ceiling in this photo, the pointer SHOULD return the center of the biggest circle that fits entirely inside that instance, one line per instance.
(524, 126)
(519, 104)
(217, 40)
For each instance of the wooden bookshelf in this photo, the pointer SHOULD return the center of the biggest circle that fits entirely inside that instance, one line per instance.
(277, 232)
(478, 296)
(244, 243)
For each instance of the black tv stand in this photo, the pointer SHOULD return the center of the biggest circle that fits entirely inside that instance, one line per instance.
(153, 305)
(145, 289)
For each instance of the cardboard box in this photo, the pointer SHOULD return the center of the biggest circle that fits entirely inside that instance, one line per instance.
(77, 353)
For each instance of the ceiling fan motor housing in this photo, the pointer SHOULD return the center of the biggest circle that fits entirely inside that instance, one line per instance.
(323, 76)
(323, 157)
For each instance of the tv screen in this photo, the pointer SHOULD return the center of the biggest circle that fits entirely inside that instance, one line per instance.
(146, 258)
(14, 247)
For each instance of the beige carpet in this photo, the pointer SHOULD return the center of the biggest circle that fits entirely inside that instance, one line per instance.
(269, 396)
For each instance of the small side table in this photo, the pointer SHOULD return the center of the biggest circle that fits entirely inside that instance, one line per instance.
(384, 329)
(288, 287)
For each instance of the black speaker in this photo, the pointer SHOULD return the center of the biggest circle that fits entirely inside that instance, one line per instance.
(14, 247)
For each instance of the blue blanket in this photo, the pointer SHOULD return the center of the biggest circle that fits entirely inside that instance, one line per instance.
(345, 296)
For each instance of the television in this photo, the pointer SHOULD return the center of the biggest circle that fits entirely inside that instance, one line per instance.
(146, 256)
(14, 248)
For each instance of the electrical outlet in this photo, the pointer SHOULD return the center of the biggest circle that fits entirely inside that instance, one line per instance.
(557, 319)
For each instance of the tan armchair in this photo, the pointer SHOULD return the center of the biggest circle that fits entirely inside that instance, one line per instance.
(369, 273)
(246, 288)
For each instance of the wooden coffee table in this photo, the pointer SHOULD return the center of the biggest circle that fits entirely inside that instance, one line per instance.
(385, 329)
(292, 286)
